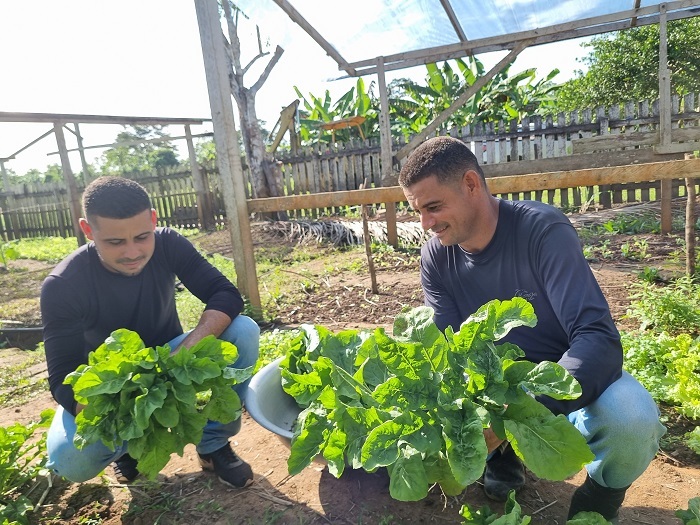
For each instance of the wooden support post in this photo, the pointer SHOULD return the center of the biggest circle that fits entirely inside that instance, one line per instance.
(73, 194)
(368, 244)
(388, 178)
(86, 172)
(664, 117)
(690, 224)
(14, 226)
(228, 154)
(204, 213)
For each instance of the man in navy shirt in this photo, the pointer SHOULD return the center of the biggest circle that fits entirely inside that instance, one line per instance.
(125, 278)
(485, 248)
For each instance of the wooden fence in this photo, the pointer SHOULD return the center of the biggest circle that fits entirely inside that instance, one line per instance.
(614, 136)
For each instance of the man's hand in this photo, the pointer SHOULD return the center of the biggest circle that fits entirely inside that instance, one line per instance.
(492, 440)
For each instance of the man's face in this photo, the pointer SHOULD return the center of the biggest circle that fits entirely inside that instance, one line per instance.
(124, 245)
(446, 209)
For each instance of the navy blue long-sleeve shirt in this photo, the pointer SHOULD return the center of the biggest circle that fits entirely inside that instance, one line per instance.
(82, 303)
(535, 253)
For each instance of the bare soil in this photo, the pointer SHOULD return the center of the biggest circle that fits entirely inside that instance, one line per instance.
(184, 494)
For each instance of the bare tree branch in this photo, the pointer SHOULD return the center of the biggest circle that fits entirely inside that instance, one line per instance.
(235, 43)
(271, 64)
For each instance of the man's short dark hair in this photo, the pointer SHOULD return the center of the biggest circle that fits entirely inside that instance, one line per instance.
(445, 157)
(114, 198)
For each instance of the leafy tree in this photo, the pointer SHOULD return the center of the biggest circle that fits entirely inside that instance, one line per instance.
(625, 66)
(355, 102)
(506, 96)
(136, 155)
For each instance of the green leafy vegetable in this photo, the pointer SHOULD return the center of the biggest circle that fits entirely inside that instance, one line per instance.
(22, 459)
(154, 399)
(417, 401)
(691, 516)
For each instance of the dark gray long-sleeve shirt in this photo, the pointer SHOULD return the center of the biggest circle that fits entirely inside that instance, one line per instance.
(82, 303)
(535, 254)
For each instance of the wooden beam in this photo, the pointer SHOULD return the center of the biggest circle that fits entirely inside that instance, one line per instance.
(631, 139)
(9, 116)
(388, 177)
(566, 31)
(674, 169)
(313, 33)
(138, 142)
(664, 116)
(228, 154)
(73, 194)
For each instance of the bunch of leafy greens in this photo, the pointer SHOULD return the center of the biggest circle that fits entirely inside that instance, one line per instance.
(417, 402)
(22, 458)
(151, 398)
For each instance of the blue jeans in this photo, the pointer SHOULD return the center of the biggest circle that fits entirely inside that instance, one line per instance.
(82, 464)
(622, 429)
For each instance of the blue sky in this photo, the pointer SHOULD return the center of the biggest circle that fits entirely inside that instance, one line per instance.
(143, 58)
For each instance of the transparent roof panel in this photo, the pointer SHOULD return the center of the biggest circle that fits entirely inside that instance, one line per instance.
(365, 29)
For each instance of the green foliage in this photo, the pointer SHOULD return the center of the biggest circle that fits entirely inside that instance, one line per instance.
(668, 367)
(693, 440)
(357, 101)
(47, 249)
(417, 401)
(505, 97)
(8, 252)
(136, 155)
(691, 516)
(22, 458)
(148, 396)
(673, 308)
(512, 515)
(625, 66)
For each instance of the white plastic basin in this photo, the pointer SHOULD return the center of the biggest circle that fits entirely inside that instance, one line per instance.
(269, 405)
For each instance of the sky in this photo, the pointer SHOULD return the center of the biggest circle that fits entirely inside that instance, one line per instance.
(144, 58)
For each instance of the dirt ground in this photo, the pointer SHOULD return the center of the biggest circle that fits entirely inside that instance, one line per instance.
(184, 494)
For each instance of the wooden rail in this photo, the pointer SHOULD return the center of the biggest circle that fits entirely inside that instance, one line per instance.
(674, 169)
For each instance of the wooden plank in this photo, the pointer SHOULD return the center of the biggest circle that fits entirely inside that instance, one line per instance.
(510, 184)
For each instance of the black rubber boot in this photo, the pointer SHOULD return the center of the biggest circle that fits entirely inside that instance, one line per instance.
(592, 497)
(504, 472)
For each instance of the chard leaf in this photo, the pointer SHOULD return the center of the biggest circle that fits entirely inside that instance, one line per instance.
(550, 446)
(154, 451)
(465, 448)
(305, 388)
(545, 378)
(189, 369)
(334, 451)
(408, 479)
(438, 470)
(357, 422)
(224, 405)
(146, 404)
(405, 394)
(309, 438)
(403, 359)
(167, 415)
(382, 445)
(92, 383)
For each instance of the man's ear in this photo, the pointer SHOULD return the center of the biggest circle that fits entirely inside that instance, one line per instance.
(87, 229)
(154, 218)
(472, 180)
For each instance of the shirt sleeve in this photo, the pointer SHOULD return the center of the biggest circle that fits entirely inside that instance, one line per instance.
(64, 343)
(594, 356)
(202, 278)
